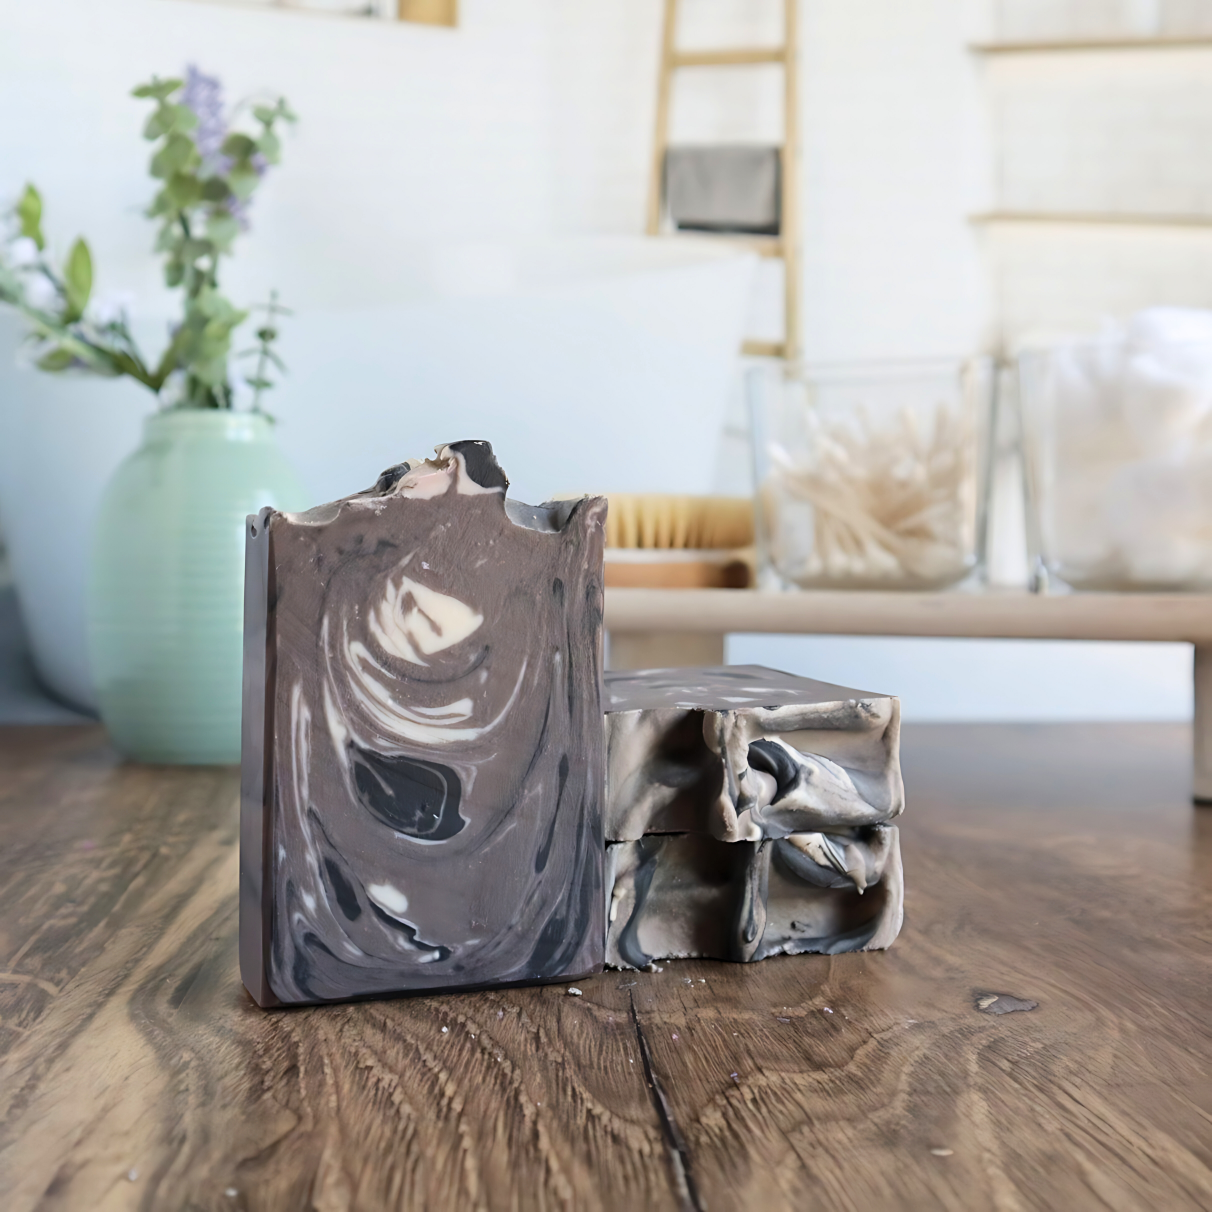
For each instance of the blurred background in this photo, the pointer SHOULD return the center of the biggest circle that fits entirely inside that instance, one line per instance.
(458, 226)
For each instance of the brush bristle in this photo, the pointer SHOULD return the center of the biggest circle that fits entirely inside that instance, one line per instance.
(665, 522)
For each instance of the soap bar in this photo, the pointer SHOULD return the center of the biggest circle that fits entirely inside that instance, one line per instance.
(747, 815)
(682, 895)
(743, 752)
(423, 754)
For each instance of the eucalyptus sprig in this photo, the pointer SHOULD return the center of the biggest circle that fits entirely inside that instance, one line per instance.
(264, 350)
(209, 171)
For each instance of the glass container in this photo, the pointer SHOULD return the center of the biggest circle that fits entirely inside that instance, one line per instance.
(871, 476)
(1117, 446)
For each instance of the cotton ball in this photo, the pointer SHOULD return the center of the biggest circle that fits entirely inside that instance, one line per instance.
(1164, 404)
(1182, 325)
(1159, 519)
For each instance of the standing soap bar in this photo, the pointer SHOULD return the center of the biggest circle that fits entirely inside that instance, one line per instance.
(747, 815)
(423, 761)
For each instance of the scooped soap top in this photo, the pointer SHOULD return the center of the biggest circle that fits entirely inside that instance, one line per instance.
(468, 468)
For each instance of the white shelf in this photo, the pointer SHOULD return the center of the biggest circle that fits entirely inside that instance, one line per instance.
(1091, 218)
(1084, 45)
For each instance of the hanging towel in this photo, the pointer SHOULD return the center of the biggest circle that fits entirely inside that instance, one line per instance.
(723, 189)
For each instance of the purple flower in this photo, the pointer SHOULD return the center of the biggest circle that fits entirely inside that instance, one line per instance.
(204, 95)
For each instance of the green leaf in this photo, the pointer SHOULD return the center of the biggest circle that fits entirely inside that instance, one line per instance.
(161, 205)
(222, 228)
(157, 88)
(195, 248)
(169, 238)
(77, 280)
(174, 272)
(168, 118)
(242, 181)
(153, 128)
(215, 189)
(29, 215)
(183, 190)
(211, 370)
(57, 359)
(265, 114)
(178, 154)
(184, 119)
(238, 146)
(270, 146)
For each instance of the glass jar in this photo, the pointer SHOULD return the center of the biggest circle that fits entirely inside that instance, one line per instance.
(1117, 450)
(871, 476)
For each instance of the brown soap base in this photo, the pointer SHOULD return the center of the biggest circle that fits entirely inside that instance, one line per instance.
(423, 763)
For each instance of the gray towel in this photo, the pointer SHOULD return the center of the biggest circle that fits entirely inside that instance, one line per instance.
(723, 189)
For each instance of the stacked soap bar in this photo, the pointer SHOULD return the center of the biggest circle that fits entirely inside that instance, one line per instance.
(435, 795)
(423, 753)
(747, 815)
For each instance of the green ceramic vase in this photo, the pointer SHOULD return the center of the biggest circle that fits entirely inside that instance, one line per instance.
(166, 589)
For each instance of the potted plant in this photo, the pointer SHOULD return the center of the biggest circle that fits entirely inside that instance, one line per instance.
(166, 580)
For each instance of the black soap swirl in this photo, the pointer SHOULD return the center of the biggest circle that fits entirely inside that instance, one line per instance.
(414, 797)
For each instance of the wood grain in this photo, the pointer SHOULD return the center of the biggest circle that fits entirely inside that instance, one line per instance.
(995, 614)
(1062, 865)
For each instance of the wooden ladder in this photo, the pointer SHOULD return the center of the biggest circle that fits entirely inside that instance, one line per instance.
(786, 245)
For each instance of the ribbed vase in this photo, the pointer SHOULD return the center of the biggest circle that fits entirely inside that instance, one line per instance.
(166, 591)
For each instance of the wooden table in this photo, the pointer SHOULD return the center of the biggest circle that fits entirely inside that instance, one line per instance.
(652, 628)
(1061, 865)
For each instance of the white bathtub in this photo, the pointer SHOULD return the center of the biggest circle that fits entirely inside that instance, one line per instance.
(591, 364)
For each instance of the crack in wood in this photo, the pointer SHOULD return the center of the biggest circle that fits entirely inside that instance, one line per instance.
(679, 1154)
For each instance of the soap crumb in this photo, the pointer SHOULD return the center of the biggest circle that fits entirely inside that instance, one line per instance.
(826, 1010)
(942, 1152)
(675, 1035)
(779, 1019)
(573, 991)
(132, 1175)
(650, 967)
(734, 1077)
(443, 1030)
(985, 1002)
(231, 1193)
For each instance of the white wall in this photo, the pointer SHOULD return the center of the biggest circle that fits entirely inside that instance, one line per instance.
(407, 131)
(896, 154)
(536, 115)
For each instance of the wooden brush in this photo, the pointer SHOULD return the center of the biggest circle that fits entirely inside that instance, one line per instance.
(664, 541)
